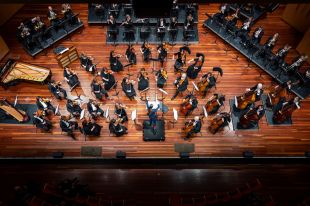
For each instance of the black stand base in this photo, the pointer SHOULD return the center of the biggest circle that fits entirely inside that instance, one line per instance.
(154, 134)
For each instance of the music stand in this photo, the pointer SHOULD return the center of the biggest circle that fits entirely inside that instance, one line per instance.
(106, 114)
(162, 101)
(129, 34)
(175, 117)
(82, 115)
(56, 110)
(113, 33)
(134, 116)
(205, 113)
(194, 87)
(15, 102)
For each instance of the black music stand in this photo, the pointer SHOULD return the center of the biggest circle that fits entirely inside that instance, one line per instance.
(113, 33)
(173, 36)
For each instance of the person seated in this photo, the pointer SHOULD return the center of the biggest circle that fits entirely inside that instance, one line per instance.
(189, 23)
(161, 77)
(24, 36)
(57, 91)
(146, 51)
(172, 29)
(161, 27)
(115, 127)
(113, 29)
(220, 16)
(189, 104)
(244, 30)
(98, 90)
(251, 117)
(268, 46)
(220, 121)
(94, 109)
(232, 22)
(143, 80)
(120, 112)
(115, 64)
(131, 55)
(52, 17)
(194, 69)
(37, 24)
(74, 108)
(45, 105)
(193, 126)
(128, 88)
(257, 36)
(214, 103)
(40, 121)
(71, 78)
(68, 125)
(296, 64)
(91, 128)
(284, 110)
(162, 52)
(66, 10)
(108, 79)
(181, 84)
(181, 58)
(207, 81)
(87, 63)
(128, 24)
(278, 59)
(258, 89)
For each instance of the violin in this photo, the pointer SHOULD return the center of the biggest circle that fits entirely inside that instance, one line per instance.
(216, 124)
(284, 113)
(186, 106)
(241, 102)
(188, 126)
(250, 117)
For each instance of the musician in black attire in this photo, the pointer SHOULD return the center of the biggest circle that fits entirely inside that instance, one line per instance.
(162, 52)
(52, 17)
(296, 64)
(128, 88)
(231, 24)
(87, 63)
(91, 128)
(116, 128)
(220, 16)
(244, 30)
(220, 98)
(45, 105)
(161, 77)
(146, 51)
(192, 100)
(268, 46)
(181, 59)
(42, 122)
(66, 10)
(98, 90)
(115, 64)
(181, 83)
(196, 127)
(108, 79)
(258, 91)
(68, 125)
(128, 24)
(209, 77)
(56, 90)
(94, 109)
(257, 35)
(189, 22)
(194, 69)
(131, 55)
(74, 108)
(278, 58)
(173, 27)
(24, 36)
(143, 80)
(120, 112)
(161, 26)
(71, 78)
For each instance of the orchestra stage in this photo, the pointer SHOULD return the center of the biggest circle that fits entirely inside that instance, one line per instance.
(276, 140)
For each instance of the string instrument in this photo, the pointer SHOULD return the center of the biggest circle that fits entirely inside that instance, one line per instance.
(284, 113)
(241, 102)
(198, 63)
(248, 118)
(278, 92)
(216, 124)
(164, 74)
(202, 85)
(186, 106)
(19, 115)
(212, 104)
(183, 57)
(188, 126)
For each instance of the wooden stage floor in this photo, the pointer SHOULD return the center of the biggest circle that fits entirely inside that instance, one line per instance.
(24, 141)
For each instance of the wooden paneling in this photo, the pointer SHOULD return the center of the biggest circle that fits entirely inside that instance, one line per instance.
(17, 140)
(7, 11)
(303, 46)
(297, 15)
(3, 48)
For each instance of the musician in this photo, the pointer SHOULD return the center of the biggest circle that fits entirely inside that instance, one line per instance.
(71, 78)
(278, 93)
(194, 69)
(42, 122)
(181, 84)
(37, 24)
(45, 105)
(207, 81)
(162, 52)
(284, 110)
(74, 108)
(115, 64)
(143, 80)
(193, 126)
(189, 23)
(152, 113)
(57, 91)
(244, 30)
(258, 89)
(91, 128)
(296, 64)
(87, 63)
(214, 103)
(24, 35)
(108, 79)
(66, 10)
(268, 46)
(161, 77)
(128, 24)
(278, 59)
(175, 9)
(114, 10)
(181, 58)
(52, 16)
(251, 117)
(257, 35)
(146, 51)
(112, 22)
(120, 112)
(161, 26)
(68, 125)
(117, 128)
(98, 90)
(94, 109)
(128, 88)
(189, 104)
(131, 54)
(220, 121)
(232, 22)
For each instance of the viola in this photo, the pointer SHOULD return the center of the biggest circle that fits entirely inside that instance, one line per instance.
(284, 113)
(243, 101)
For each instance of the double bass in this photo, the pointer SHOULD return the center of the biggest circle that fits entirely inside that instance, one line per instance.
(241, 102)
(218, 122)
(284, 113)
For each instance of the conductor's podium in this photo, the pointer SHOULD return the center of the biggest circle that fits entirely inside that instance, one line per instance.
(157, 134)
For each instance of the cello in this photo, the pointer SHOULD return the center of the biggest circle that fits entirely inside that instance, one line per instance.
(214, 103)
(250, 117)
(188, 126)
(285, 112)
(202, 85)
(241, 102)
(218, 122)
